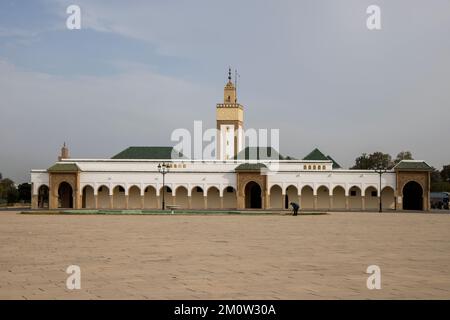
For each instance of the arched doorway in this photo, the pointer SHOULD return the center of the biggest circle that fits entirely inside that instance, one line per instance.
(229, 198)
(87, 198)
(355, 198)
(181, 197)
(213, 198)
(103, 200)
(276, 197)
(43, 197)
(371, 200)
(388, 198)
(65, 195)
(291, 196)
(119, 199)
(134, 198)
(307, 198)
(338, 198)
(412, 196)
(323, 198)
(197, 198)
(253, 199)
(150, 199)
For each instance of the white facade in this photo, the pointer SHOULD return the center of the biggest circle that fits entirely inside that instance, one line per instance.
(196, 184)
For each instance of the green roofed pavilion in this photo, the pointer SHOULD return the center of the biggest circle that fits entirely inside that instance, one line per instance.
(316, 155)
(413, 165)
(251, 167)
(259, 153)
(64, 167)
(148, 153)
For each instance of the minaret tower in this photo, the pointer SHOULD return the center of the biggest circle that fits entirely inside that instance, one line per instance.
(230, 121)
(64, 153)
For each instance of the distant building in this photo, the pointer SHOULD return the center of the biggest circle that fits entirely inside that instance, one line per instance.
(240, 178)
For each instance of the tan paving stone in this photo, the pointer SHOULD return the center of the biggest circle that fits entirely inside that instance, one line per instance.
(225, 257)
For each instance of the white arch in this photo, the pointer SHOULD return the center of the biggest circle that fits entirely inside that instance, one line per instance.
(274, 185)
(38, 186)
(134, 198)
(288, 185)
(363, 191)
(123, 185)
(83, 185)
(303, 185)
(276, 197)
(320, 185)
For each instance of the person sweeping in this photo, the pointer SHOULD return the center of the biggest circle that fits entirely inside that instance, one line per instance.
(295, 208)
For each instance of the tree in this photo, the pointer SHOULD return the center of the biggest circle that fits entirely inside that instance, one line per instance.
(438, 184)
(8, 190)
(435, 176)
(24, 191)
(373, 161)
(445, 173)
(362, 162)
(403, 155)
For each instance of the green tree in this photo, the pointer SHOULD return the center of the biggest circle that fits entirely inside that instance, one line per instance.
(445, 173)
(24, 191)
(403, 155)
(438, 184)
(373, 161)
(8, 191)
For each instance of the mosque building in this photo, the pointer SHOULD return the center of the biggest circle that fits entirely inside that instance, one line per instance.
(240, 178)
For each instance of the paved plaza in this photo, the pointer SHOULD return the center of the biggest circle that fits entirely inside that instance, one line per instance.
(225, 257)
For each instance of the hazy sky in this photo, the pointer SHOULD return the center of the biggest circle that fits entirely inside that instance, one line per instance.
(137, 70)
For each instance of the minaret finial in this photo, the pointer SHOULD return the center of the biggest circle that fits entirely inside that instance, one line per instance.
(229, 74)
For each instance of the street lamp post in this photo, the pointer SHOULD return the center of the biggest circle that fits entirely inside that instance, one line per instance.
(163, 169)
(380, 171)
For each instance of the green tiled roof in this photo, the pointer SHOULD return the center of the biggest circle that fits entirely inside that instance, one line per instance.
(259, 153)
(335, 164)
(413, 165)
(64, 167)
(250, 167)
(146, 153)
(316, 154)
